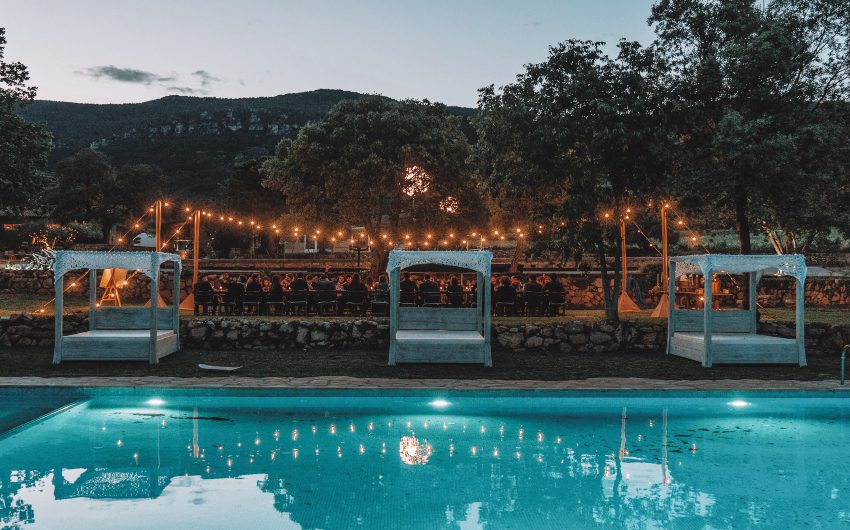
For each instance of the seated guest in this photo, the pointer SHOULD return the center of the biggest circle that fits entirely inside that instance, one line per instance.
(505, 297)
(275, 295)
(554, 293)
(325, 284)
(533, 295)
(455, 293)
(430, 291)
(203, 294)
(357, 294)
(408, 290)
(299, 287)
(325, 293)
(382, 290)
(253, 293)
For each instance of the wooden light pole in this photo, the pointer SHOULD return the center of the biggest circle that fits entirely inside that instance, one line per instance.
(189, 301)
(158, 225)
(663, 309)
(625, 304)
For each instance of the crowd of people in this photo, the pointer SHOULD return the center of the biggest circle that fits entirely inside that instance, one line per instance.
(300, 293)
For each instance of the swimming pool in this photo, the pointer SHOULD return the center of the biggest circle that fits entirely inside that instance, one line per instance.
(121, 458)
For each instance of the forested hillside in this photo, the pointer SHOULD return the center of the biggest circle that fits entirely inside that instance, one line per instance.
(195, 140)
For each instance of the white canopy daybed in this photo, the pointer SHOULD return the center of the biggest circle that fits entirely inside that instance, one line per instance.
(118, 333)
(731, 336)
(440, 334)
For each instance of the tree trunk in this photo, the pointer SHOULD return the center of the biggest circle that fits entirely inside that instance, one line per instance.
(742, 219)
(610, 300)
(744, 245)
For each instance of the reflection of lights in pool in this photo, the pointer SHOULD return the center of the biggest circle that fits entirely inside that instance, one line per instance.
(155, 402)
(412, 452)
(440, 403)
(738, 403)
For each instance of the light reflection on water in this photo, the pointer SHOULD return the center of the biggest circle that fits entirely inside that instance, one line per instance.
(319, 463)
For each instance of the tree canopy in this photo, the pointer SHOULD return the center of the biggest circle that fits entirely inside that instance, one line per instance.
(579, 135)
(90, 189)
(758, 90)
(389, 167)
(24, 146)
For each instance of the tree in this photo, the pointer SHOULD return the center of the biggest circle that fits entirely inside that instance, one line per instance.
(756, 85)
(577, 136)
(23, 146)
(90, 189)
(393, 168)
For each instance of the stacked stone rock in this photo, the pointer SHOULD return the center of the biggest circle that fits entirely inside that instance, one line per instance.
(364, 334)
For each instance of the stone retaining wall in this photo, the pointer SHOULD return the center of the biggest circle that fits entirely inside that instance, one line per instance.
(257, 334)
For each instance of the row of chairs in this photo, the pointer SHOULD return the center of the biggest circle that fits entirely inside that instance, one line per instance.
(293, 303)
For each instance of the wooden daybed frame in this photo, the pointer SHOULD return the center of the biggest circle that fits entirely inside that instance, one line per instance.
(731, 336)
(118, 333)
(440, 334)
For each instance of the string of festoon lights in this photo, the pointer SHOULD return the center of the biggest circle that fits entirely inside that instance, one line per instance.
(402, 238)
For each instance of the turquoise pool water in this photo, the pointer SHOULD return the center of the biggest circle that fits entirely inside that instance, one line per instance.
(216, 459)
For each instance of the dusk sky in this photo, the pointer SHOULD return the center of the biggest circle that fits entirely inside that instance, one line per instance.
(109, 51)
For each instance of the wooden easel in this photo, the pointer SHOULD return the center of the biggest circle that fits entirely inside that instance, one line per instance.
(109, 282)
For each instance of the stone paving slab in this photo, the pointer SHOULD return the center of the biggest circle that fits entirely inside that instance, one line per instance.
(344, 382)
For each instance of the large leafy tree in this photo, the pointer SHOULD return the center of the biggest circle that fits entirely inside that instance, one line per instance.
(759, 88)
(23, 146)
(573, 139)
(90, 189)
(393, 168)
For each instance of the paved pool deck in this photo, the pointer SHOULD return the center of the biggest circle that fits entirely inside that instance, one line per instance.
(343, 382)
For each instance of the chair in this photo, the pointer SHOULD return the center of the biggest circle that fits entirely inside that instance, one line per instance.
(251, 302)
(505, 301)
(276, 302)
(555, 303)
(407, 299)
(432, 299)
(203, 299)
(532, 301)
(380, 303)
(297, 302)
(455, 298)
(356, 300)
(326, 298)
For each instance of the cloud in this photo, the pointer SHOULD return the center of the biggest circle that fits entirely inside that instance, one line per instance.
(185, 90)
(126, 75)
(206, 78)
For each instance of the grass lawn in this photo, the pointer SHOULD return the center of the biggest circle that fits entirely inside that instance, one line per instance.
(13, 304)
(300, 363)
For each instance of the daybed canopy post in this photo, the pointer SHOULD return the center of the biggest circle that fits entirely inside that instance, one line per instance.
(671, 293)
(58, 287)
(175, 300)
(92, 299)
(154, 306)
(393, 309)
(800, 322)
(753, 307)
(483, 301)
(707, 314)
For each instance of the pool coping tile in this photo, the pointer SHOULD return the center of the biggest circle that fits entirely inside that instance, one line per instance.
(346, 382)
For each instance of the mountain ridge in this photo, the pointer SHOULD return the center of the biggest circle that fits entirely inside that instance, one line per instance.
(196, 140)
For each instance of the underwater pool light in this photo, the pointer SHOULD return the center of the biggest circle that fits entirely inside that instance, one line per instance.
(155, 402)
(739, 403)
(439, 403)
